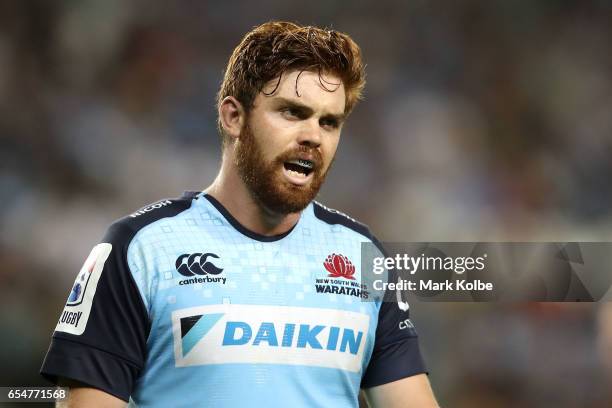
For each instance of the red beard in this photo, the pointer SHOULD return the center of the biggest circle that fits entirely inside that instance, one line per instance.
(264, 179)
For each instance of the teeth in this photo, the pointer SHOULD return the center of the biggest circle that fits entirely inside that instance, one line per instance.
(296, 173)
(304, 163)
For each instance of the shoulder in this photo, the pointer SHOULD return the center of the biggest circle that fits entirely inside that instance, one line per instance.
(123, 230)
(335, 217)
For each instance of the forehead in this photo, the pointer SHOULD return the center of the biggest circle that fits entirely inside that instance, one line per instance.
(321, 92)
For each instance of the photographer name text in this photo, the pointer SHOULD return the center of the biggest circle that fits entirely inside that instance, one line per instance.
(447, 285)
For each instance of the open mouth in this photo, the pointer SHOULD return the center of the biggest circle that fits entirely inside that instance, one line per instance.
(299, 171)
(299, 167)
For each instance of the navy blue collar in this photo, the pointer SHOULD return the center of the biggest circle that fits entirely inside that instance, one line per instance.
(242, 229)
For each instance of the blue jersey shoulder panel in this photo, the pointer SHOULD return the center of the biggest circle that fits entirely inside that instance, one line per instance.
(333, 217)
(109, 350)
(129, 226)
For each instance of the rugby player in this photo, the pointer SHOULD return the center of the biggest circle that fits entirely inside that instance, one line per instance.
(249, 293)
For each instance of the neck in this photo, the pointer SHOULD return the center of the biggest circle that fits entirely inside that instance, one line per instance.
(229, 189)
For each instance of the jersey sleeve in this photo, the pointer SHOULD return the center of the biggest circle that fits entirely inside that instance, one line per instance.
(100, 338)
(396, 353)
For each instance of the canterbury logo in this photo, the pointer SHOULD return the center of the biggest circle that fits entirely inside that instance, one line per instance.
(197, 264)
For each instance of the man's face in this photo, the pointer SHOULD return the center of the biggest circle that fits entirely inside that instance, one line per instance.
(290, 138)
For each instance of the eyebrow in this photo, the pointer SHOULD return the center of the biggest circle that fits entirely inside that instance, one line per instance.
(339, 117)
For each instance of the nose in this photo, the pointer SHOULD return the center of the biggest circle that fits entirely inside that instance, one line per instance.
(310, 133)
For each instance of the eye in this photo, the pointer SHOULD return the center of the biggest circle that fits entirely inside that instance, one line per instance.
(329, 123)
(291, 113)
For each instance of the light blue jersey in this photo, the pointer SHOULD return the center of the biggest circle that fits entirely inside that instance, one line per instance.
(189, 308)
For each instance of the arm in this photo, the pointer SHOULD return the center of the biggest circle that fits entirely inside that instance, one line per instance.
(90, 397)
(80, 395)
(100, 338)
(396, 374)
(409, 392)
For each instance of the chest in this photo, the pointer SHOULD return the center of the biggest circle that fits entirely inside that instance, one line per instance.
(231, 300)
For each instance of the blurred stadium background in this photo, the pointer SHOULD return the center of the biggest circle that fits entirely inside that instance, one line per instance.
(483, 120)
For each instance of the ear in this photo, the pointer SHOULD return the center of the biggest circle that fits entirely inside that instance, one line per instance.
(232, 116)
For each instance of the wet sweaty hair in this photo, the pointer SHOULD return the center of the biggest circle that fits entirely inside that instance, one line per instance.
(273, 48)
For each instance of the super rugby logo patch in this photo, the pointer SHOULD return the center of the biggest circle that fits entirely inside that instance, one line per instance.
(78, 306)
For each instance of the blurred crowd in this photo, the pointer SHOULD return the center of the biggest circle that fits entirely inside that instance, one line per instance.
(482, 121)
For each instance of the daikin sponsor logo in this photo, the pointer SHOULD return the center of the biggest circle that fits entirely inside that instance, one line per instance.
(223, 334)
